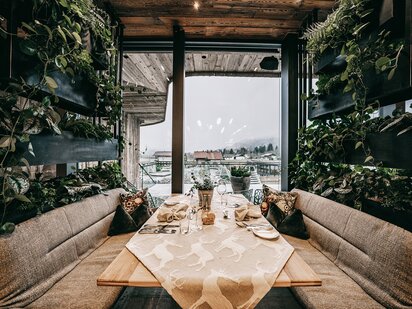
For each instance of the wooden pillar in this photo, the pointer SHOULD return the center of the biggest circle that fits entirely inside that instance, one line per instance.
(131, 152)
(178, 109)
(289, 106)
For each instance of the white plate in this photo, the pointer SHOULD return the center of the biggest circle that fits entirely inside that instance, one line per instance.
(266, 234)
(170, 203)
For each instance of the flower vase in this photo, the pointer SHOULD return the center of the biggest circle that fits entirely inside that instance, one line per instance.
(205, 199)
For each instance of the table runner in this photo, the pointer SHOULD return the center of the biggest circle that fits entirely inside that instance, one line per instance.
(221, 266)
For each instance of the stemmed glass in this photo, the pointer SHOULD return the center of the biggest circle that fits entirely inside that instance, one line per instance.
(221, 189)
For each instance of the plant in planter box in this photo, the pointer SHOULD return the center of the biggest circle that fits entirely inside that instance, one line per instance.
(50, 34)
(240, 178)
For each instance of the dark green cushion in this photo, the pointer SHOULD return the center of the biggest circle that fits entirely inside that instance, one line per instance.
(122, 223)
(140, 215)
(290, 224)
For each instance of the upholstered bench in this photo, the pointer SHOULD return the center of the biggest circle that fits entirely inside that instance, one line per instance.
(52, 261)
(363, 262)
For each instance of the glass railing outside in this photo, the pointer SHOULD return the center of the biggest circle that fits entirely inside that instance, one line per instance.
(157, 175)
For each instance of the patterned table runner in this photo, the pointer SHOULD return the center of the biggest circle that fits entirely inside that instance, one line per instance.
(221, 266)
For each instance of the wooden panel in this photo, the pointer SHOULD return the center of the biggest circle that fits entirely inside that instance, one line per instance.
(127, 270)
(265, 19)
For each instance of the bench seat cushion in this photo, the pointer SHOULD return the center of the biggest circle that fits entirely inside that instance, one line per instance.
(78, 289)
(337, 289)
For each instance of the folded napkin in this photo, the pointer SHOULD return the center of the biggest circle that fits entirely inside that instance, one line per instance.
(177, 212)
(246, 212)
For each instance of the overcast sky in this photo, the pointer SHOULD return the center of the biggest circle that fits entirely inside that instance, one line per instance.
(220, 112)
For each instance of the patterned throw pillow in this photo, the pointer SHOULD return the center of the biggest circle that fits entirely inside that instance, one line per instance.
(281, 212)
(284, 200)
(131, 214)
(131, 201)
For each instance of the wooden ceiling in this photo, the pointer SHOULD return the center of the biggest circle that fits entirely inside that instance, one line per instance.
(148, 104)
(216, 19)
(146, 77)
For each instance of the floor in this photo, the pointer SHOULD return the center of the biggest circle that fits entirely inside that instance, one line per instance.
(158, 298)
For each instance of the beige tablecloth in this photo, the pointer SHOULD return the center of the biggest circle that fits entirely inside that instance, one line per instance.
(222, 266)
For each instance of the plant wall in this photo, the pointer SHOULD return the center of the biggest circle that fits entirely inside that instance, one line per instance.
(323, 164)
(68, 39)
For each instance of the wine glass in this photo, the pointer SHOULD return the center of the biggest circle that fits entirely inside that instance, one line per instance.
(221, 189)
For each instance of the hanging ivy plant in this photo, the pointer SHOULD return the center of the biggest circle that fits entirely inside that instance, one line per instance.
(56, 37)
(322, 142)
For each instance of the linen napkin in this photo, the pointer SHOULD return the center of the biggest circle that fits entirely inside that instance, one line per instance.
(246, 212)
(177, 212)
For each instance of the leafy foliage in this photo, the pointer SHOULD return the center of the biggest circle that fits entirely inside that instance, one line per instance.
(84, 128)
(202, 184)
(323, 141)
(241, 171)
(56, 38)
(43, 196)
(341, 26)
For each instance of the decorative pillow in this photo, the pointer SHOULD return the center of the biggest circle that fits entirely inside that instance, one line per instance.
(131, 201)
(284, 200)
(131, 215)
(122, 223)
(279, 208)
(290, 223)
(140, 215)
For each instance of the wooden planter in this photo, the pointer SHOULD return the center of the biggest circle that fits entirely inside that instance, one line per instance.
(65, 148)
(392, 150)
(386, 91)
(326, 105)
(379, 89)
(401, 218)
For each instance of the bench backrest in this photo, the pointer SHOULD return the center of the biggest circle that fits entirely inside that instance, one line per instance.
(44, 249)
(374, 253)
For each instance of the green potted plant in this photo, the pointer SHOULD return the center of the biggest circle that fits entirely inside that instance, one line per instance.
(240, 178)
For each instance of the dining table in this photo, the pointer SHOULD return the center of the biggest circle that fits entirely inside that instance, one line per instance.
(134, 267)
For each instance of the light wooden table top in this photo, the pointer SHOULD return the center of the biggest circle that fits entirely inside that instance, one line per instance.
(127, 270)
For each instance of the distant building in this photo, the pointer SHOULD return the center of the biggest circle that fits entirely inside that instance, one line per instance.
(205, 156)
(163, 156)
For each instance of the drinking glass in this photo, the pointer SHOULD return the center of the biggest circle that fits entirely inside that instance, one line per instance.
(184, 224)
(221, 189)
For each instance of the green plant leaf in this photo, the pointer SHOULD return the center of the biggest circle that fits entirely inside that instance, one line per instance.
(48, 31)
(22, 198)
(51, 83)
(359, 28)
(358, 144)
(5, 141)
(7, 228)
(382, 62)
(77, 37)
(61, 33)
(30, 149)
(405, 130)
(368, 158)
(28, 27)
(63, 3)
(70, 71)
(391, 73)
(25, 162)
(28, 47)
